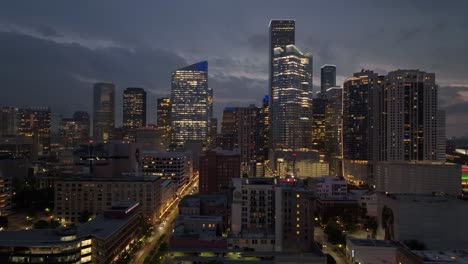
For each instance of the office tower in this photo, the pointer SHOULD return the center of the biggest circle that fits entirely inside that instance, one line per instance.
(229, 129)
(319, 107)
(35, 122)
(248, 139)
(104, 111)
(75, 130)
(327, 78)
(8, 121)
(82, 118)
(291, 99)
(282, 34)
(360, 116)
(409, 116)
(333, 129)
(191, 106)
(217, 168)
(169, 165)
(134, 112)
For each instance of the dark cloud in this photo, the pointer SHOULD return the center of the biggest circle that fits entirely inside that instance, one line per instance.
(63, 47)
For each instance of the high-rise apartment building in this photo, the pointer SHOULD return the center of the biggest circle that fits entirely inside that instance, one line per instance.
(217, 168)
(8, 121)
(104, 111)
(409, 116)
(327, 78)
(291, 99)
(249, 140)
(191, 103)
(282, 34)
(134, 112)
(360, 99)
(35, 122)
(333, 129)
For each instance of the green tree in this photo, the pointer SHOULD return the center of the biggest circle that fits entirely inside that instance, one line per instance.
(84, 216)
(41, 224)
(54, 223)
(3, 222)
(334, 233)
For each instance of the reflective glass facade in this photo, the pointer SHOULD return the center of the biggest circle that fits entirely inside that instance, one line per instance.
(191, 103)
(327, 78)
(134, 111)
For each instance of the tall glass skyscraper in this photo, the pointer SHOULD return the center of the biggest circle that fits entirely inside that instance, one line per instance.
(191, 103)
(327, 78)
(282, 33)
(291, 99)
(134, 111)
(104, 111)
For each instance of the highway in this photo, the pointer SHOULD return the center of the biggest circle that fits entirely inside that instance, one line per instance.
(169, 214)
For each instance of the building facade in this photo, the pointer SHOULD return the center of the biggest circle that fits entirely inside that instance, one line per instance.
(8, 121)
(217, 168)
(73, 196)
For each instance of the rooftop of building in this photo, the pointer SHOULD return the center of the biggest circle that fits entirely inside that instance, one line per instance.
(219, 151)
(33, 237)
(374, 243)
(418, 162)
(452, 256)
(328, 179)
(423, 198)
(165, 183)
(190, 201)
(91, 178)
(164, 154)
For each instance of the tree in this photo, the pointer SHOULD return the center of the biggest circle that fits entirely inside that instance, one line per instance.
(3, 222)
(84, 216)
(54, 223)
(41, 224)
(334, 233)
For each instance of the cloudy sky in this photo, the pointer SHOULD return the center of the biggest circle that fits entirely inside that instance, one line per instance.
(52, 51)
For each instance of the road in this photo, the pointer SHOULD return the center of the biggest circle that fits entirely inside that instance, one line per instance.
(328, 248)
(169, 214)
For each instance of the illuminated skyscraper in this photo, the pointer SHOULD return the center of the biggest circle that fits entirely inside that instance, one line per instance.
(327, 78)
(333, 129)
(134, 112)
(35, 122)
(104, 111)
(282, 34)
(291, 99)
(191, 103)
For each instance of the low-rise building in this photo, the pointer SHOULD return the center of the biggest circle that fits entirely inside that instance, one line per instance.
(371, 251)
(99, 241)
(435, 220)
(73, 196)
(169, 165)
(329, 187)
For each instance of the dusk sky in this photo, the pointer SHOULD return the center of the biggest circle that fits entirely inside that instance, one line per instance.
(53, 51)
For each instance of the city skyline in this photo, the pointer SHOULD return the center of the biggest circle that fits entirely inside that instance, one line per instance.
(112, 52)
